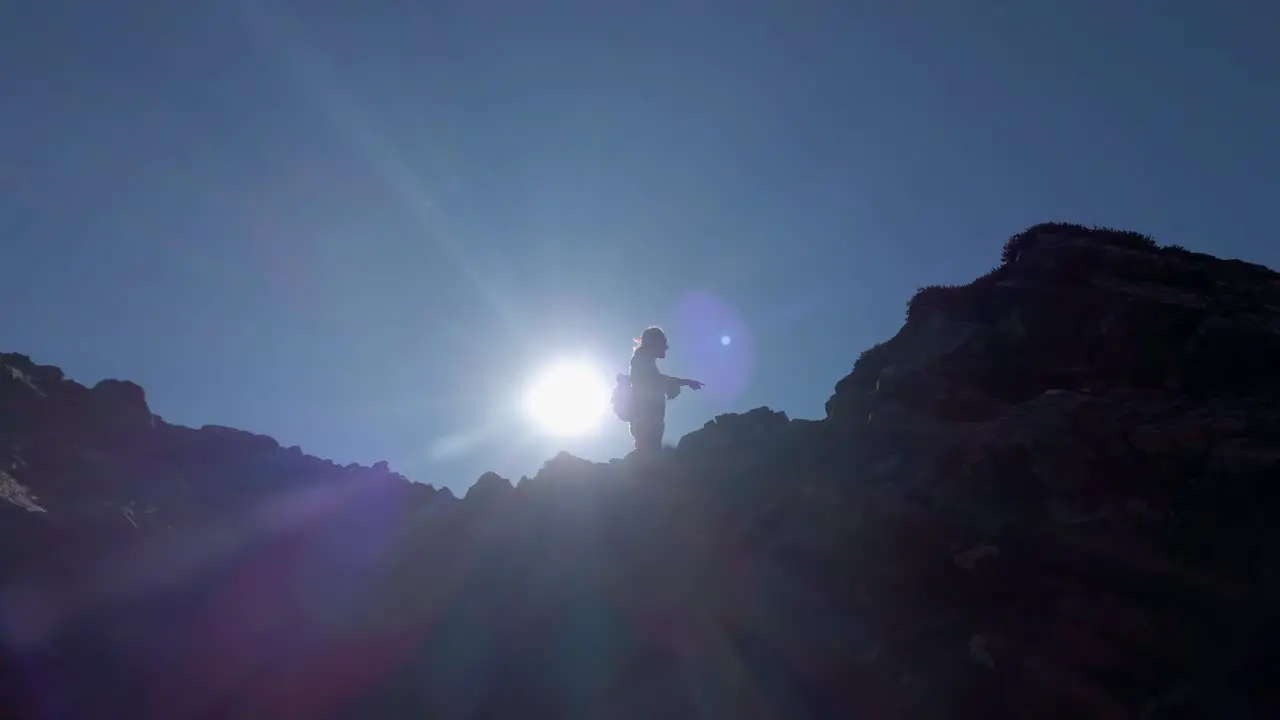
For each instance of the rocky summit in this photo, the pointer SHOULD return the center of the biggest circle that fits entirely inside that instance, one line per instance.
(1053, 494)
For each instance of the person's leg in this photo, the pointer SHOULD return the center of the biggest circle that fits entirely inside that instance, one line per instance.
(648, 435)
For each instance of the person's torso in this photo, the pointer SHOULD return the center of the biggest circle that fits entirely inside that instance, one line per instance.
(648, 386)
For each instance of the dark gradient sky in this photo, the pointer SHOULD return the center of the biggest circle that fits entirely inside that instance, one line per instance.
(359, 226)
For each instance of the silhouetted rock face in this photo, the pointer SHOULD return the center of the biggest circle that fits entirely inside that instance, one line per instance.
(1090, 434)
(489, 487)
(1050, 495)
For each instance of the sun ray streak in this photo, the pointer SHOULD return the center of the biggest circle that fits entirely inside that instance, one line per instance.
(282, 35)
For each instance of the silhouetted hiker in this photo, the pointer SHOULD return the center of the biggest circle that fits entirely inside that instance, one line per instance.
(641, 399)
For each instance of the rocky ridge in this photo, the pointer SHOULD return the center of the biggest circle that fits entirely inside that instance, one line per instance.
(1049, 495)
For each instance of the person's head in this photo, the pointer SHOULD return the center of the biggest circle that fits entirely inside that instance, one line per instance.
(652, 341)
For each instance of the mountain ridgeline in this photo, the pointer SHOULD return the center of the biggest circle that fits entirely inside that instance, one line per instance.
(1051, 495)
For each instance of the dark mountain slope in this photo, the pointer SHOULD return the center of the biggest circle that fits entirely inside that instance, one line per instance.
(1051, 494)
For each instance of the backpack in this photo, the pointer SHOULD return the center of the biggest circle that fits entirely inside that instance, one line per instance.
(622, 398)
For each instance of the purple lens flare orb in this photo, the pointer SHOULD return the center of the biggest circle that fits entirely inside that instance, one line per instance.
(716, 345)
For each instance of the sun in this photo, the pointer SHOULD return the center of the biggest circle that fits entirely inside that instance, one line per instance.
(568, 399)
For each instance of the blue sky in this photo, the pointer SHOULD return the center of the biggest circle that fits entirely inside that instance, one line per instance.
(360, 227)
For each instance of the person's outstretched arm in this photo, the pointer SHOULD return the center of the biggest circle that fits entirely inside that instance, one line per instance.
(675, 382)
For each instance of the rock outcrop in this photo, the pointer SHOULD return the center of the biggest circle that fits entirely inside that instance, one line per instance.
(1050, 495)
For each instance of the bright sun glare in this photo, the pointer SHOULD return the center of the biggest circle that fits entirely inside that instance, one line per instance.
(567, 399)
